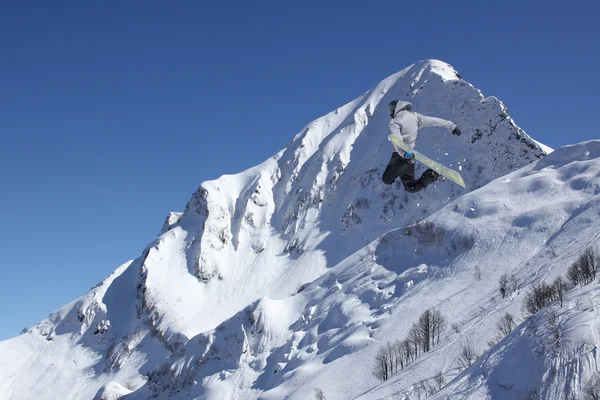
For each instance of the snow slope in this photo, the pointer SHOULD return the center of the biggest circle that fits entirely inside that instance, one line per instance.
(280, 279)
(533, 224)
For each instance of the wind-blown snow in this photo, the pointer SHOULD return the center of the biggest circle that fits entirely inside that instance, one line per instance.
(285, 277)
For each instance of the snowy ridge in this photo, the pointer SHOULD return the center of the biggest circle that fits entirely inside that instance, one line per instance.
(276, 280)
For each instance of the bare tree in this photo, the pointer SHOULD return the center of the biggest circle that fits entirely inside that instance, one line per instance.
(583, 271)
(554, 328)
(456, 327)
(407, 349)
(428, 233)
(381, 369)
(560, 287)
(414, 338)
(513, 284)
(420, 390)
(506, 324)
(393, 357)
(425, 328)
(401, 359)
(492, 342)
(592, 388)
(467, 355)
(503, 284)
(591, 259)
(439, 381)
(477, 273)
(575, 274)
(390, 358)
(430, 325)
(539, 297)
(429, 387)
(439, 324)
(319, 394)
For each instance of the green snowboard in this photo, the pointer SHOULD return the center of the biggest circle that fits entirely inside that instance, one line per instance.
(437, 167)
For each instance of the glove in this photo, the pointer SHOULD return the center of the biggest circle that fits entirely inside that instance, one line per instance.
(456, 131)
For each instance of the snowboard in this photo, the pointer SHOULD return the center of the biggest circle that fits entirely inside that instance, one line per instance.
(446, 172)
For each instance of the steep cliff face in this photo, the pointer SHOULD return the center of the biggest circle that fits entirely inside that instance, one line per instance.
(216, 304)
(321, 198)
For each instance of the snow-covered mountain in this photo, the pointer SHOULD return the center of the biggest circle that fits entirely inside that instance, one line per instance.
(278, 281)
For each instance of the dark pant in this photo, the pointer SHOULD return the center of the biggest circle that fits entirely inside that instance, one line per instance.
(405, 169)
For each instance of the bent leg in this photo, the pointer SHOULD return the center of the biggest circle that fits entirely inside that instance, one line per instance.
(405, 170)
(392, 170)
(407, 175)
(425, 180)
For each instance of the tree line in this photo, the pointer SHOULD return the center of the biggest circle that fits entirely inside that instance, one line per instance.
(422, 336)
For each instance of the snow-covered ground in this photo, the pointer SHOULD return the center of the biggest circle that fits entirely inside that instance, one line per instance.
(531, 224)
(288, 277)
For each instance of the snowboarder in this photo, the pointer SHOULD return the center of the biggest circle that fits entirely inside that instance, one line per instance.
(405, 124)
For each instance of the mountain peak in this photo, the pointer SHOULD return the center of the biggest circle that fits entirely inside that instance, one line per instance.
(280, 273)
(441, 68)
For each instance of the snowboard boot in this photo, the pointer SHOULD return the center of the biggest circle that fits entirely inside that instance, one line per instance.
(429, 177)
(437, 176)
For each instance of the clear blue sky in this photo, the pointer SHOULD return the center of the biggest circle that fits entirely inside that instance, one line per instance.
(113, 112)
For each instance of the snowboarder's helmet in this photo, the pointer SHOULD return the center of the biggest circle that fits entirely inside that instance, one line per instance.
(392, 107)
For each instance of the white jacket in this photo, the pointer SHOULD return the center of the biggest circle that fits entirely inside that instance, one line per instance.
(406, 124)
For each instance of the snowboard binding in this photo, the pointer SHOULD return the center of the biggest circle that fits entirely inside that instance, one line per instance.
(436, 176)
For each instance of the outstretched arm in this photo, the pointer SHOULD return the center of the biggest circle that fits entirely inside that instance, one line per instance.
(426, 121)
